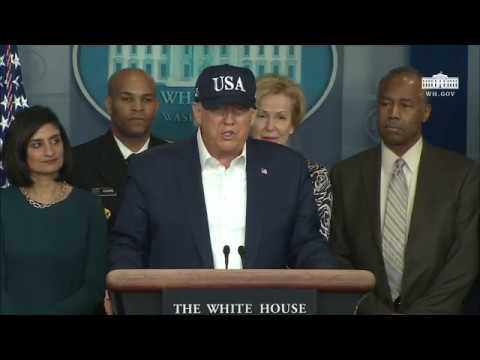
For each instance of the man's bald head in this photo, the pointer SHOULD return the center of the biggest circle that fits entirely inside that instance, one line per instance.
(409, 72)
(125, 75)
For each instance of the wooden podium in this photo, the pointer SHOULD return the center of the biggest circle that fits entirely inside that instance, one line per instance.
(248, 291)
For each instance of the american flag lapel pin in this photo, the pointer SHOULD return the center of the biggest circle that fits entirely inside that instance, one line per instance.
(264, 171)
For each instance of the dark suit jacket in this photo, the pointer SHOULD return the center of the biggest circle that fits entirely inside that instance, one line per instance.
(441, 254)
(99, 164)
(162, 220)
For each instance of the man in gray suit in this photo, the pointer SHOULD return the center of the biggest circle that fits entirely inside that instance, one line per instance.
(407, 211)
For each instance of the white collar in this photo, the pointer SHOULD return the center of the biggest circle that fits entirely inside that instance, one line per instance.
(126, 152)
(206, 157)
(411, 157)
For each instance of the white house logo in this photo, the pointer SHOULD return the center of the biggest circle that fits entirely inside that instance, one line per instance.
(175, 69)
(442, 82)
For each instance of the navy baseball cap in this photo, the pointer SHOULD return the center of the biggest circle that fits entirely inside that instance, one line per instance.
(220, 85)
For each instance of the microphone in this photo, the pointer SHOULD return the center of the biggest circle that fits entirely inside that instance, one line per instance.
(241, 252)
(226, 252)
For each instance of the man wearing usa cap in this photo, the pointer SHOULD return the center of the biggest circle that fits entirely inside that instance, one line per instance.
(186, 203)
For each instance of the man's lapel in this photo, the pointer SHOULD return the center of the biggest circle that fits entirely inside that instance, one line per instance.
(423, 204)
(371, 178)
(426, 180)
(371, 175)
(190, 176)
(258, 176)
(111, 164)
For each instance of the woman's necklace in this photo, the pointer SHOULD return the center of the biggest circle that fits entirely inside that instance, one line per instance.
(39, 205)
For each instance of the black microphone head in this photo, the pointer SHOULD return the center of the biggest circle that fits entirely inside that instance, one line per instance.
(226, 250)
(241, 250)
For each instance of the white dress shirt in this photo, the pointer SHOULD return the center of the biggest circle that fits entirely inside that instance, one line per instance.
(412, 160)
(126, 152)
(225, 193)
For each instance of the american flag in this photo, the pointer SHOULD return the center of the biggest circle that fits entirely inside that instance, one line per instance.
(12, 94)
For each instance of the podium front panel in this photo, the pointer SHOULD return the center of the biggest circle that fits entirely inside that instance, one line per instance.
(263, 301)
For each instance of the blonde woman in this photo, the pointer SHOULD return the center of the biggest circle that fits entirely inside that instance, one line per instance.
(280, 110)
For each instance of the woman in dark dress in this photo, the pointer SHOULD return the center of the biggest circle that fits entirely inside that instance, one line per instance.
(53, 236)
